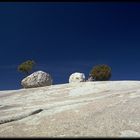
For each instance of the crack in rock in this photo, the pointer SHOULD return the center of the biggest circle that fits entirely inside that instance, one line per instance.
(5, 107)
(19, 117)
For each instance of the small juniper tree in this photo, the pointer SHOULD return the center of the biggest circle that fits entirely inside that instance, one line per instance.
(26, 67)
(101, 73)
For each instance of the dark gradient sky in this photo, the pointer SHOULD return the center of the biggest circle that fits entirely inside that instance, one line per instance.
(69, 37)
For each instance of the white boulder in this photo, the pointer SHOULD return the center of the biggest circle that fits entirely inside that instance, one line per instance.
(77, 77)
(37, 79)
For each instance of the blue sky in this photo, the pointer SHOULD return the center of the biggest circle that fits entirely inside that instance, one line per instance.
(69, 37)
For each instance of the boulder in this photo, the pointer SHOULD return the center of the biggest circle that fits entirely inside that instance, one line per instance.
(77, 77)
(37, 79)
(91, 79)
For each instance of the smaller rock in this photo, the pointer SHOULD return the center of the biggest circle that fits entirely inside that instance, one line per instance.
(37, 79)
(91, 79)
(77, 77)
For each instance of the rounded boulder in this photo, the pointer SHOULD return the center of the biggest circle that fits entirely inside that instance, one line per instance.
(37, 79)
(77, 77)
